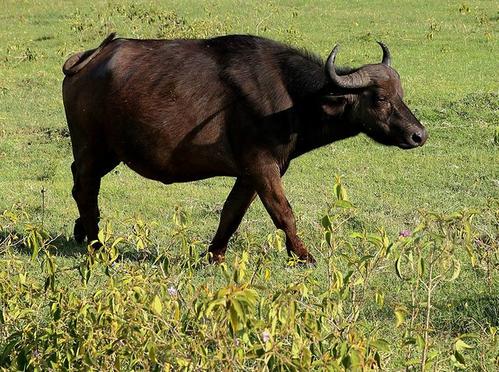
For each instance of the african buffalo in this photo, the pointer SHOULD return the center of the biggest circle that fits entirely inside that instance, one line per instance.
(239, 105)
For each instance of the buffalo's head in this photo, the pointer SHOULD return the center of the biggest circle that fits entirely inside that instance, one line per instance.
(372, 99)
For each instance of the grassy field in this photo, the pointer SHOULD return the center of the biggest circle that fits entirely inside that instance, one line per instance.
(446, 53)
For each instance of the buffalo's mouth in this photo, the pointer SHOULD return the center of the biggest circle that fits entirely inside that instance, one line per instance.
(407, 142)
(406, 146)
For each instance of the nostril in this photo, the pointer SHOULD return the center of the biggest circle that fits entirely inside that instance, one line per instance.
(417, 138)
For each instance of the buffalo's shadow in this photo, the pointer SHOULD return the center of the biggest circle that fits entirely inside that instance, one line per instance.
(68, 247)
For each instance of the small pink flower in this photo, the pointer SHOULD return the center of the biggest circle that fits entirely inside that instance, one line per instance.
(172, 291)
(405, 233)
(265, 336)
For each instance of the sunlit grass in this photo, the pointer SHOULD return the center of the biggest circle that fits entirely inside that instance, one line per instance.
(444, 52)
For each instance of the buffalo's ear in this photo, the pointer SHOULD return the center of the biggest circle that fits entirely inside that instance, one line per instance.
(333, 105)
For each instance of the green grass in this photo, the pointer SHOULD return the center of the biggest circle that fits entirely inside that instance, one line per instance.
(444, 52)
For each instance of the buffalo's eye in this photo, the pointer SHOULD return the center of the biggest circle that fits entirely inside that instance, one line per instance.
(382, 102)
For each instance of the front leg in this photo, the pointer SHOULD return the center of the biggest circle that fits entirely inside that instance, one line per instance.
(270, 190)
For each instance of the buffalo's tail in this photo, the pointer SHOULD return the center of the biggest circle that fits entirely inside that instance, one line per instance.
(79, 60)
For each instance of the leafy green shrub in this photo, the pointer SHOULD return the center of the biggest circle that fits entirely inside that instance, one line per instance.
(156, 311)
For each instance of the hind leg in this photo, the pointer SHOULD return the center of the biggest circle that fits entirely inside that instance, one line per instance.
(87, 174)
(238, 201)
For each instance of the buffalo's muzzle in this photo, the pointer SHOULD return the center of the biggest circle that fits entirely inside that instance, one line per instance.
(419, 137)
(416, 139)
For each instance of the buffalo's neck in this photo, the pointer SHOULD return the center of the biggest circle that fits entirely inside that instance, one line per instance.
(314, 130)
(306, 84)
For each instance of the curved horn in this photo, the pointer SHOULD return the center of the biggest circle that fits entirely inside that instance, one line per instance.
(355, 80)
(387, 58)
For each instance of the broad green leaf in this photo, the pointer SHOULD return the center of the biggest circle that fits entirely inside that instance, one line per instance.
(398, 265)
(117, 241)
(266, 274)
(100, 236)
(457, 269)
(238, 309)
(409, 341)
(379, 298)
(213, 304)
(420, 341)
(377, 358)
(156, 305)
(381, 344)
(306, 357)
(345, 204)
(326, 222)
(329, 237)
(460, 345)
(234, 321)
(421, 266)
(459, 357)
(355, 358)
(356, 235)
(412, 362)
(358, 281)
(400, 315)
(182, 362)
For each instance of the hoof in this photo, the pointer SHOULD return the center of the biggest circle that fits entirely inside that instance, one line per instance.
(79, 232)
(96, 245)
(215, 258)
(307, 264)
(304, 261)
(310, 260)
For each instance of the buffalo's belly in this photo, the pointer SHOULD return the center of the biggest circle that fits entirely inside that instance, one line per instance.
(175, 153)
(188, 167)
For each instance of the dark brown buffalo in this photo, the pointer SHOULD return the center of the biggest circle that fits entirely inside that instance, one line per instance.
(239, 106)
